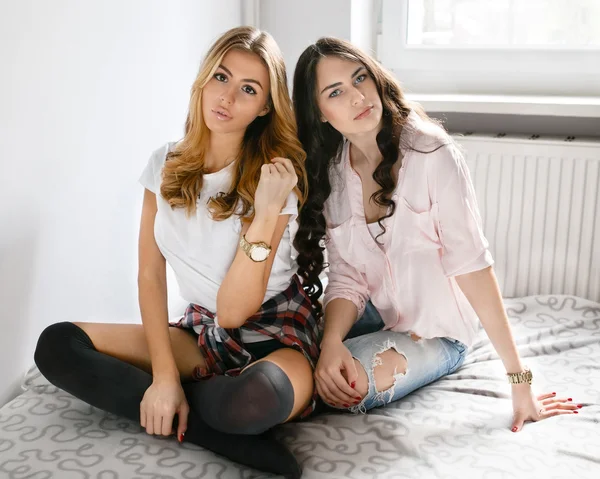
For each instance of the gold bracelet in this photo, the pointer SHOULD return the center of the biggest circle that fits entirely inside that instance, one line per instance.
(519, 378)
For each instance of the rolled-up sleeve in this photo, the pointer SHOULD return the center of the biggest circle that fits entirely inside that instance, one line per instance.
(344, 281)
(464, 246)
(291, 207)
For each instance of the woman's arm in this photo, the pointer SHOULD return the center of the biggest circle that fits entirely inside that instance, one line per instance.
(465, 256)
(345, 299)
(165, 397)
(243, 289)
(340, 316)
(483, 293)
(152, 293)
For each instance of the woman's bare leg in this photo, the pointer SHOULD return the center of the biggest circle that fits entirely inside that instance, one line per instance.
(127, 342)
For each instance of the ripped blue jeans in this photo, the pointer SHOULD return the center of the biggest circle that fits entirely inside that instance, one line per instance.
(427, 359)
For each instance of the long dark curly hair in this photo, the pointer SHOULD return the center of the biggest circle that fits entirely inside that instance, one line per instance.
(323, 143)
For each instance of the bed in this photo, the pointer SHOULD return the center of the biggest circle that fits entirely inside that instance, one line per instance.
(456, 427)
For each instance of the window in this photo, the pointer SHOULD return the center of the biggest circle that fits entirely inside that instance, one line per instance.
(506, 23)
(544, 47)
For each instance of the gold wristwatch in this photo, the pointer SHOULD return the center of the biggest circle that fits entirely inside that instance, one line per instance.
(257, 252)
(520, 378)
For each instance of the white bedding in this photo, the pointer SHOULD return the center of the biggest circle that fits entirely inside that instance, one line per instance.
(457, 427)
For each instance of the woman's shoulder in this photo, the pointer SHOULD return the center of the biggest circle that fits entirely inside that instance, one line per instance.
(159, 155)
(423, 135)
(152, 175)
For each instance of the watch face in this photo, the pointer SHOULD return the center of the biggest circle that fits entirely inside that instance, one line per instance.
(259, 253)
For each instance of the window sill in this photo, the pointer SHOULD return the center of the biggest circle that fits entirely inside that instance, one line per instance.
(557, 106)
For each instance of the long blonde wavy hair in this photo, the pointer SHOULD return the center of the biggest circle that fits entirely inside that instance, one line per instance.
(268, 136)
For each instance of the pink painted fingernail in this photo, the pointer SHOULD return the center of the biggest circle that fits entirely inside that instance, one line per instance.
(514, 429)
(353, 384)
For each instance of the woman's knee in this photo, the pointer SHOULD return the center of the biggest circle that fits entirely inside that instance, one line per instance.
(293, 362)
(387, 367)
(57, 345)
(300, 374)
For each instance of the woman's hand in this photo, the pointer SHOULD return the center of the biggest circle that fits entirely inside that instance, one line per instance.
(334, 387)
(162, 400)
(527, 408)
(277, 180)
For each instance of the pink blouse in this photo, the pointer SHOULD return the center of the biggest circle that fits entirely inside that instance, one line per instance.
(434, 235)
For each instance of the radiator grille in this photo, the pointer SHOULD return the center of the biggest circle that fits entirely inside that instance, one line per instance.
(540, 205)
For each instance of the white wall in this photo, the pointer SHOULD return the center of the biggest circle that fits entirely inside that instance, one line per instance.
(88, 90)
(297, 24)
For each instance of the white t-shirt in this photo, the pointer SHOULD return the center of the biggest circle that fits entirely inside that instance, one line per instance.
(200, 250)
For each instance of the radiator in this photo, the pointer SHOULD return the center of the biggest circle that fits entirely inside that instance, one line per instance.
(540, 206)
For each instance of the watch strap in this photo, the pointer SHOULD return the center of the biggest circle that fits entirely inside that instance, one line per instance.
(521, 377)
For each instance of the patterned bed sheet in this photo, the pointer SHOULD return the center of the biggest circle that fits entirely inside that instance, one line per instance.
(457, 427)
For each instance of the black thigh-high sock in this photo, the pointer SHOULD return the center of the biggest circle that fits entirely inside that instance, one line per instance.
(253, 402)
(66, 356)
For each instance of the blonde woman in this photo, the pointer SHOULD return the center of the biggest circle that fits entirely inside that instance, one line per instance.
(220, 207)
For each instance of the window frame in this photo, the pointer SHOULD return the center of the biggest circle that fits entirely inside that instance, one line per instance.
(485, 69)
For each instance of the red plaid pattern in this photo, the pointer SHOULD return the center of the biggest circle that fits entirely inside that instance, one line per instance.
(287, 317)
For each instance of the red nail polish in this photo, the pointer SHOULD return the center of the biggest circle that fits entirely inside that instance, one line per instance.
(575, 412)
(554, 394)
(570, 399)
(353, 384)
(514, 429)
(346, 405)
(580, 405)
(180, 438)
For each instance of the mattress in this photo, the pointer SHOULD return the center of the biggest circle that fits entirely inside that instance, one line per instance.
(456, 427)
